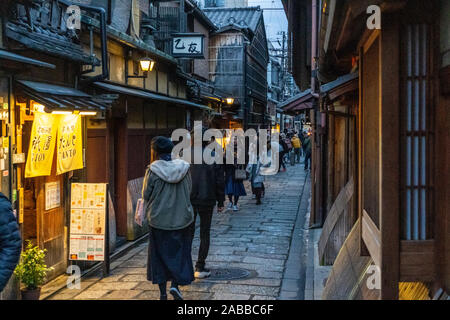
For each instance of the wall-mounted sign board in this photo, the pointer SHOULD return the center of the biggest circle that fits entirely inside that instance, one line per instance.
(52, 195)
(18, 158)
(188, 45)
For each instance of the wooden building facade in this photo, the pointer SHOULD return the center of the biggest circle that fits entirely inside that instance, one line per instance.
(381, 144)
(51, 67)
(238, 58)
(147, 105)
(44, 83)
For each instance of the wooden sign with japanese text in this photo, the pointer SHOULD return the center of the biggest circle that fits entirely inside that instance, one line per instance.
(188, 45)
(70, 144)
(42, 145)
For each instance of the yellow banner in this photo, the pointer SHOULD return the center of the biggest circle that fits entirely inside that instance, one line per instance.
(42, 145)
(70, 144)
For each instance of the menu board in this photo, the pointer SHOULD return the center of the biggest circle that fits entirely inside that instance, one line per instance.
(87, 221)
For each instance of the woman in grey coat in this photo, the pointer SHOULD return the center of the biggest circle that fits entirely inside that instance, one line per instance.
(166, 194)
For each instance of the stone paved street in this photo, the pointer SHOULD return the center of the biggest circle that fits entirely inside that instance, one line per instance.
(257, 238)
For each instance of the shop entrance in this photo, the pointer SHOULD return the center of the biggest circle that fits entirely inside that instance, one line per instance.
(44, 218)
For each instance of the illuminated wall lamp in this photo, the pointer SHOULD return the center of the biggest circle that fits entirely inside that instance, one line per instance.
(146, 64)
(229, 101)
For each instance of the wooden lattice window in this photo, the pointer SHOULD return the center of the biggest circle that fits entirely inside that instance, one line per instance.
(417, 125)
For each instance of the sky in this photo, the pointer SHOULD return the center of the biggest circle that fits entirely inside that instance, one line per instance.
(275, 20)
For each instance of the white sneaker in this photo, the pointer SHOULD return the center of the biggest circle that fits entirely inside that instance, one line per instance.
(230, 205)
(254, 196)
(202, 273)
(235, 208)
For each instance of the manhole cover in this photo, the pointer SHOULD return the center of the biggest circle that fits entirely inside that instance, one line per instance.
(230, 274)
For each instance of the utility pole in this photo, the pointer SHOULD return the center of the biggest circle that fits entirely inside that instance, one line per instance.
(283, 65)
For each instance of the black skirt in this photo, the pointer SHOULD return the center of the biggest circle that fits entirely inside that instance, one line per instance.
(169, 256)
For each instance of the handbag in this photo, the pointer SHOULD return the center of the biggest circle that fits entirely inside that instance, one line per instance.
(139, 213)
(240, 174)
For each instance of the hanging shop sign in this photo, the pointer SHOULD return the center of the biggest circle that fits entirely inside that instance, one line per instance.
(88, 221)
(49, 131)
(70, 144)
(188, 45)
(42, 145)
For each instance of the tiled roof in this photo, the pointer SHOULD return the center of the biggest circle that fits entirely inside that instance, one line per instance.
(299, 96)
(339, 81)
(245, 17)
(50, 42)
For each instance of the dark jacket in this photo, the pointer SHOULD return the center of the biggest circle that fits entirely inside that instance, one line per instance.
(307, 145)
(208, 185)
(284, 145)
(10, 242)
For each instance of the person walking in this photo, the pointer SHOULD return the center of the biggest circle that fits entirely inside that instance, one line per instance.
(10, 241)
(234, 187)
(297, 145)
(166, 193)
(208, 188)
(283, 151)
(307, 150)
(256, 179)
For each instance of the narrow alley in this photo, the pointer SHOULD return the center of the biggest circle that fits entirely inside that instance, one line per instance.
(254, 246)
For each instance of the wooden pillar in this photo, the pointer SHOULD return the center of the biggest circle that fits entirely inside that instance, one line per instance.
(330, 163)
(121, 170)
(389, 186)
(110, 125)
(312, 219)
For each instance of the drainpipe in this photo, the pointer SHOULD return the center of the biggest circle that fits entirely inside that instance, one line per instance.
(314, 49)
(246, 104)
(104, 43)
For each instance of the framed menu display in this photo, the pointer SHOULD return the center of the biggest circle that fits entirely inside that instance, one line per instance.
(88, 215)
(52, 195)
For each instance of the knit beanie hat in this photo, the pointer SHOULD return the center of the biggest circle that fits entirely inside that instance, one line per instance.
(162, 145)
